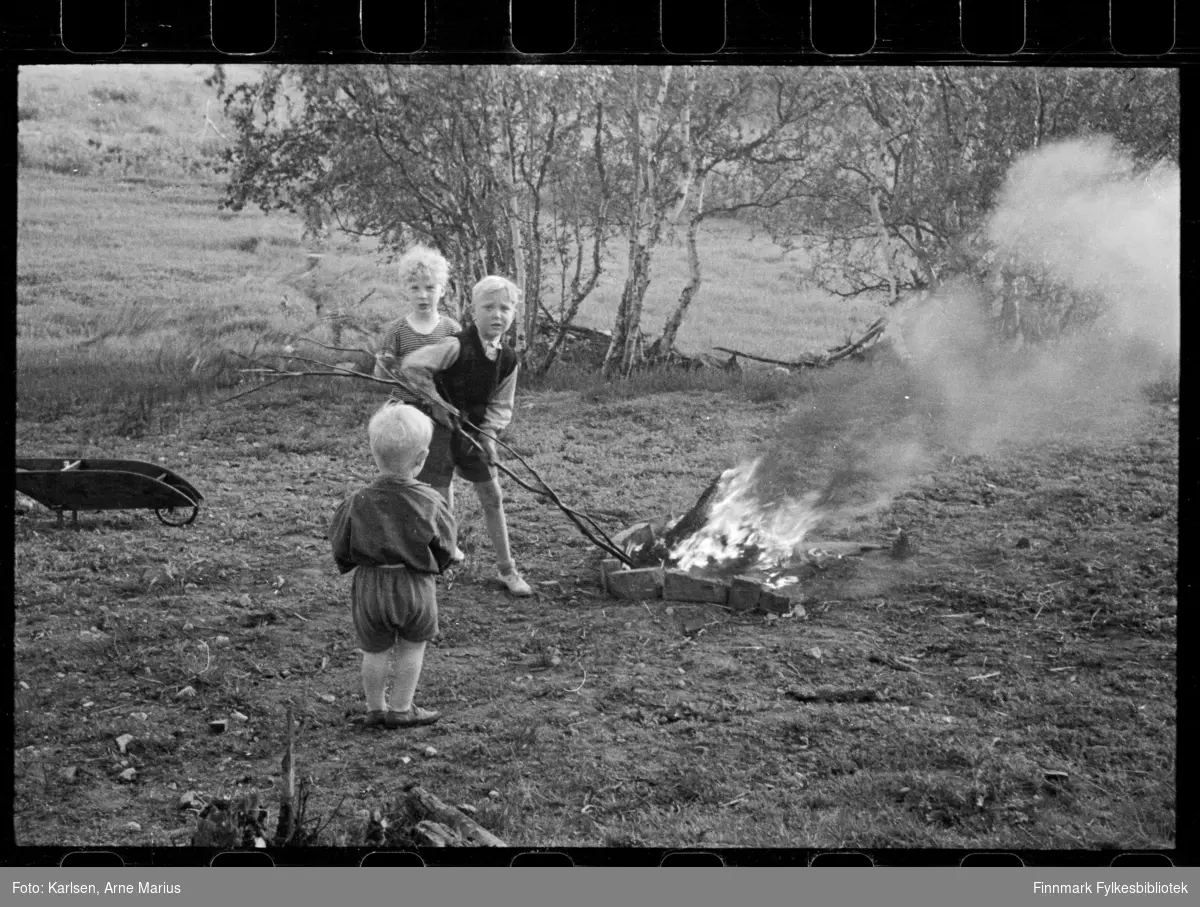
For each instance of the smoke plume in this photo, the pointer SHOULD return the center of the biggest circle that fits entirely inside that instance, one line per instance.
(1077, 213)
(1081, 210)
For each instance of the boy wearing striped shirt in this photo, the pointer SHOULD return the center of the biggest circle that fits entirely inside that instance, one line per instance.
(423, 274)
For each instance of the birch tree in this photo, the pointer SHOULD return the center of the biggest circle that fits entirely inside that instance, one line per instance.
(460, 157)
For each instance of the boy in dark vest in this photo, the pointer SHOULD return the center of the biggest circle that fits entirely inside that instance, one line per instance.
(476, 374)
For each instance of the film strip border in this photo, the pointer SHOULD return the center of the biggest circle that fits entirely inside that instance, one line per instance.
(899, 31)
(570, 857)
(1063, 31)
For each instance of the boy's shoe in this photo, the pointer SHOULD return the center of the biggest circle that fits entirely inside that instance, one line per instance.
(371, 719)
(516, 585)
(457, 557)
(414, 717)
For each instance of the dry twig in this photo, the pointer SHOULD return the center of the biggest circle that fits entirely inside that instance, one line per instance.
(581, 683)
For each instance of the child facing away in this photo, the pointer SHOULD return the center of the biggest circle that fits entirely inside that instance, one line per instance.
(397, 534)
(424, 274)
(475, 374)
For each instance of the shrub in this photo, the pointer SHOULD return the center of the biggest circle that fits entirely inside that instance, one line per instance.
(1165, 388)
(116, 95)
(248, 244)
(61, 155)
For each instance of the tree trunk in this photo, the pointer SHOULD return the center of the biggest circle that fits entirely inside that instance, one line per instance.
(635, 287)
(666, 342)
(524, 332)
(662, 347)
(644, 227)
(885, 246)
(614, 358)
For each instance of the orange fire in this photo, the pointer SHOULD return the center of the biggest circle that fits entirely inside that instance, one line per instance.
(739, 523)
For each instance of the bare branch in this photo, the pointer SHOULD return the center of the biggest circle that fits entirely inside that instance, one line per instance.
(586, 524)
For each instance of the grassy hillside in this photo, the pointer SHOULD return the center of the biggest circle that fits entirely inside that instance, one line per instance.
(126, 119)
(126, 259)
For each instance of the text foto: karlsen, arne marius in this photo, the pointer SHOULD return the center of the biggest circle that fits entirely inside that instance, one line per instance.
(109, 888)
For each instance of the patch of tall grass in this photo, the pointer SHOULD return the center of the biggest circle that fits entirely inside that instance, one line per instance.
(114, 380)
(754, 385)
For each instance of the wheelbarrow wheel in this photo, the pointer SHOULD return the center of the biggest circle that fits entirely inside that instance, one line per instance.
(177, 516)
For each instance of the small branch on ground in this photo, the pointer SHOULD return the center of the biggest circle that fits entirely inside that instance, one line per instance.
(286, 826)
(895, 664)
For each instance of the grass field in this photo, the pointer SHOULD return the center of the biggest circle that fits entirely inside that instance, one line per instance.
(1021, 664)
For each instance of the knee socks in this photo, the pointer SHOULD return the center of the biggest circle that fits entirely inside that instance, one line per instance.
(492, 502)
(409, 658)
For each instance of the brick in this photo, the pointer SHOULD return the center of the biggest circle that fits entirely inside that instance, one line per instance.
(744, 593)
(635, 536)
(774, 602)
(636, 584)
(607, 566)
(680, 586)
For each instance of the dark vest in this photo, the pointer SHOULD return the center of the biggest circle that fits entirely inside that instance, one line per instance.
(470, 382)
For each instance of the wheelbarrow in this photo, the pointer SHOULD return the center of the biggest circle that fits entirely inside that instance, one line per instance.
(77, 485)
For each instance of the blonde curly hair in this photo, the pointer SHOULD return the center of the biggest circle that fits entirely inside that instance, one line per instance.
(420, 259)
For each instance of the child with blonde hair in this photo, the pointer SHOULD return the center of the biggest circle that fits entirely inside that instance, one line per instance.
(397, 534)
(473, 373)
(423, 274)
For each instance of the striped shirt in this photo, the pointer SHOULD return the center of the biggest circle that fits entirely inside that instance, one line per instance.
(401, 339)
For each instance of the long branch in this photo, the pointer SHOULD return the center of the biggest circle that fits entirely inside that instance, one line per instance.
(545, 490)
(585, 523)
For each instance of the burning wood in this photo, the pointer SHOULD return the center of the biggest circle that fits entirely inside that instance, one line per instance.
(730, 528)
(731, 548)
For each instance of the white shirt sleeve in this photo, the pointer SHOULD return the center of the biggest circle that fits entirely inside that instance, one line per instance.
(500, 407)
(419, 367)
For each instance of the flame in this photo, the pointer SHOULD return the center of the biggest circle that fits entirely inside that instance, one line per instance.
(740, 523)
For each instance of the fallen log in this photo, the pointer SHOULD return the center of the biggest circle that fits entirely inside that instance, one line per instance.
(830, 356)
(438, 821)
(432, 834)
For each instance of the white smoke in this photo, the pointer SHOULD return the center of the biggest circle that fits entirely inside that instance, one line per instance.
(1080, 210)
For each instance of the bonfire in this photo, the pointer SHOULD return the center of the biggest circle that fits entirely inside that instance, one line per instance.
(737, 545)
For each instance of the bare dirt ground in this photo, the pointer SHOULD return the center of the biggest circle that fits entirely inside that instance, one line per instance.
(1017, 674)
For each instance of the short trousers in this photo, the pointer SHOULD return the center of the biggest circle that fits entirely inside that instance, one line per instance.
(386, 602)
(450, 451)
